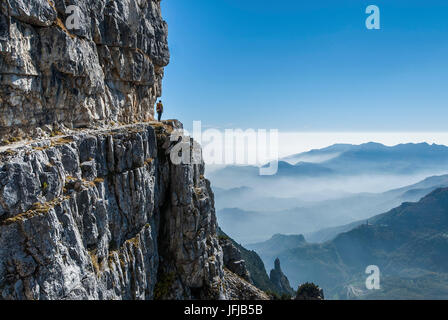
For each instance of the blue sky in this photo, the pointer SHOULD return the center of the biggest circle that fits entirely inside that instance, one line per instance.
(307, 65)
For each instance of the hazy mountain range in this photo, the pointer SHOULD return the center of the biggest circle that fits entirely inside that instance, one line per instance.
(347, 184)
(409, 244)
(318, 220)
(345, 160)
(332, 202)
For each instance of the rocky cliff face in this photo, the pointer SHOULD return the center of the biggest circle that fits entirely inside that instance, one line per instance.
(91, 207)
(104, 214)
(236, 274)
(108, 70)
(233, 259)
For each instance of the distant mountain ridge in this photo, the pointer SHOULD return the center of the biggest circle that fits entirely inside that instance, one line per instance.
(371, 157)
(318, 155)
(343, 159)
(408, 148)
(285, 241)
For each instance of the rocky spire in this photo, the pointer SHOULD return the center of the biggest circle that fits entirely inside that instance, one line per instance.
(280, 280)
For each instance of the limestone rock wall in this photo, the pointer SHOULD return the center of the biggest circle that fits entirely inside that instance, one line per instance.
(91, 207)
(233, 259)
(105, 215)
(109, 70)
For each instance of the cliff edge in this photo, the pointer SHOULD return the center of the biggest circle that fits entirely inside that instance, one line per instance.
(91, 207)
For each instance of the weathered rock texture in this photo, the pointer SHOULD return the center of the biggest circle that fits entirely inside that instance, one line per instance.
(106, 215)
(108, 70)
(79, 217)
(233, 259)
(237, 279)
(239, 289)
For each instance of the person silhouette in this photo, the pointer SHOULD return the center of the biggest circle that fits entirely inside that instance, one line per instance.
(159, 110)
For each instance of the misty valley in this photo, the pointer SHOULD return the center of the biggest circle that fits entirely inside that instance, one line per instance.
(330, 213)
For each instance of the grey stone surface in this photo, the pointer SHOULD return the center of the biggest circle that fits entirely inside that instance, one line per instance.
(94, 240)
(239, 289)
(109, 70)
(106, 215)
(233, 260)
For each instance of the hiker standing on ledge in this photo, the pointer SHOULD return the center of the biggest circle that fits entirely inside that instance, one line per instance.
(159, 110)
